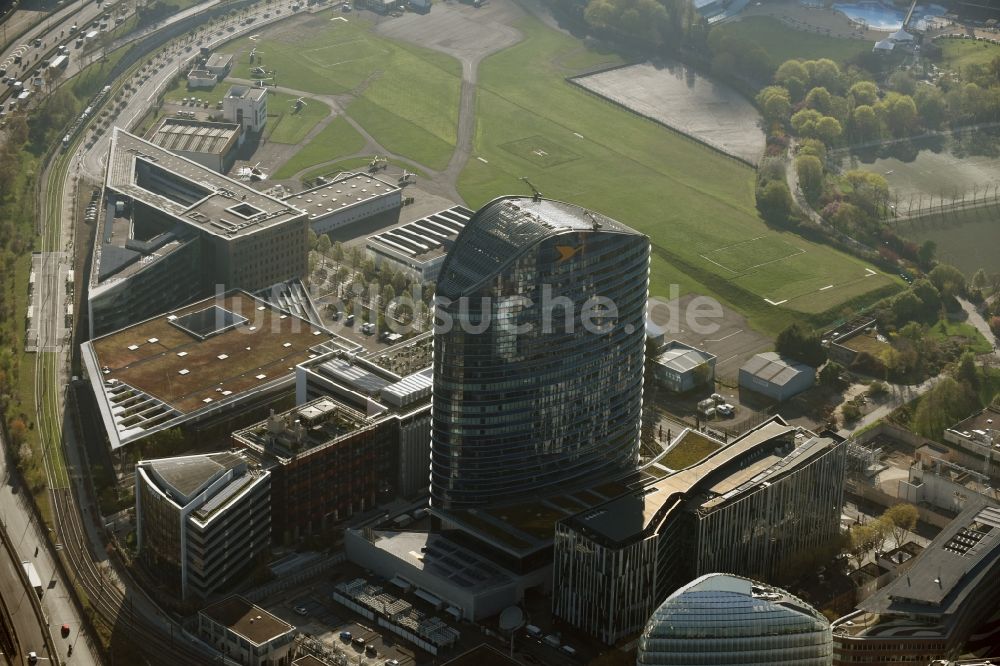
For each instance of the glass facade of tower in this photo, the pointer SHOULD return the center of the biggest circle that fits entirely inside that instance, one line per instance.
(538, 355)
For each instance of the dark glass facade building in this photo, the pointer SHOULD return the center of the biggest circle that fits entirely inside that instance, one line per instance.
(538, 353)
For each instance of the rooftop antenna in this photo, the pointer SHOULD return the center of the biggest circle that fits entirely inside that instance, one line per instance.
(536, 195)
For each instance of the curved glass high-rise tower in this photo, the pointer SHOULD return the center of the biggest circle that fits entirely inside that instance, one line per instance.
(538, 353)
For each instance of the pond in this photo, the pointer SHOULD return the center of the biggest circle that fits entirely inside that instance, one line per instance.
(690, 103)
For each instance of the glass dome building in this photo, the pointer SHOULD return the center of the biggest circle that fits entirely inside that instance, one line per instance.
(538, 353)
(719, 619)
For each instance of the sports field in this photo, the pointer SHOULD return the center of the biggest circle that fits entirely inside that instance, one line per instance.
(405, 96)
(697, 206)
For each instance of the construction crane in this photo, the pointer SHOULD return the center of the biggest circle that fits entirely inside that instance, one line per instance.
(536, 195)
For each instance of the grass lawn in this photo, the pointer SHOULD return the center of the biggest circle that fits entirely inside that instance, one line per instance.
(349, 164)
(690, 200)
(407, 97)
(784, 43)
(957, 53)
(974, 340)
(688, 451)
(213, 96)
(289, 126)
(335, 140)
(93, 77)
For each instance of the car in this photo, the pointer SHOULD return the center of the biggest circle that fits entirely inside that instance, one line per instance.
(358, 642)
(346, 8)
(64, 630)
(392, 662)
(370, 650)
(349, 320)
(345, 636)
(32, 658)
(725, 409)
(301, 610)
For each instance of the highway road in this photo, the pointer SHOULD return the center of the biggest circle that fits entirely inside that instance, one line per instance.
(30, 633)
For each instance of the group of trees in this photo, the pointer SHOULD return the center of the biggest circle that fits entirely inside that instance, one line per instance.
(801, 344)
(895, 524)
(952, 399)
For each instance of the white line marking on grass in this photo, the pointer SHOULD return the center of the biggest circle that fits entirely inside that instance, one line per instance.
(870, 272)
(726, 337)
(768, 300)
(339, 18)
(787, 256)
(725, 268)
(483, 160)
(577, 135)
(829, 286)
(253, 38)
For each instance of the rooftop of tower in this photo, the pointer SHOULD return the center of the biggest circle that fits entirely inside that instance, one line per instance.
(506, 227)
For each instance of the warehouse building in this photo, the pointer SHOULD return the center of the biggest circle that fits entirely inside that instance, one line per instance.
(418, 248)
(216, 359)
(208, 143)
(173, 231)
(201, 521)
(679, 367)
(776, 377)
(346, 199)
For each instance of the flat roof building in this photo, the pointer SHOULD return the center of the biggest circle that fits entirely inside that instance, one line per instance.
(725, 619)
(418, 248)
(173, 230)
(941, 607)
(201, 521)
(208, 143)
(346, 199)
(218, 356)
(219, 64)
(776, 377)
(201, 78)
(247, 107)
(746, 508)
(247, 633)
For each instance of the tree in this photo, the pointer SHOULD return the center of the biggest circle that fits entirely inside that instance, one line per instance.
(863, 92)
(979, 279)
(799, 343)
(791, 69)
(949, 280)
(775, 104)
(831, 375)
(901, 520)
(323, 245)
(902, 82)
(925, 255)
(825, 73)
(865, 123)
(931, 106)
(881, 530)
(828, 130)
(819, 99)
(862, 538)
(312, 238)
(813, 147)
(947, 403)
(810, 172)
(775, 202)
(804, 122)
(967, 373)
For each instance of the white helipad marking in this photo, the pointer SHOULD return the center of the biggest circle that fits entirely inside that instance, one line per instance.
(870, 272)
(540, 153)
(775, 302)
(339, 18)
(829, 286)
(253, 38)
(483, 160)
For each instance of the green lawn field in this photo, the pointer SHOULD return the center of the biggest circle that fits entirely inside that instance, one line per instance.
(691, 201)
(406, 96)
(784, 43)
(957, 53)
(335, 140)
(288, 125)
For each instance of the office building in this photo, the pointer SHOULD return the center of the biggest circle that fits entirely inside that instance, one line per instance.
(393, 390)
(173, 230)
(945, 605)
(537, 381)
(725, 619)
(246, 107)
(346, 199)
(218, 360)
(210, 144)
(219, 64)
(201, 521)
(747, 508)
(328, 462)
(418, 248)
(246, 633)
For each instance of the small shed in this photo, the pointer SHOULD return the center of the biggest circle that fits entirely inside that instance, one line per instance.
(775, 376)
(883, 46)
